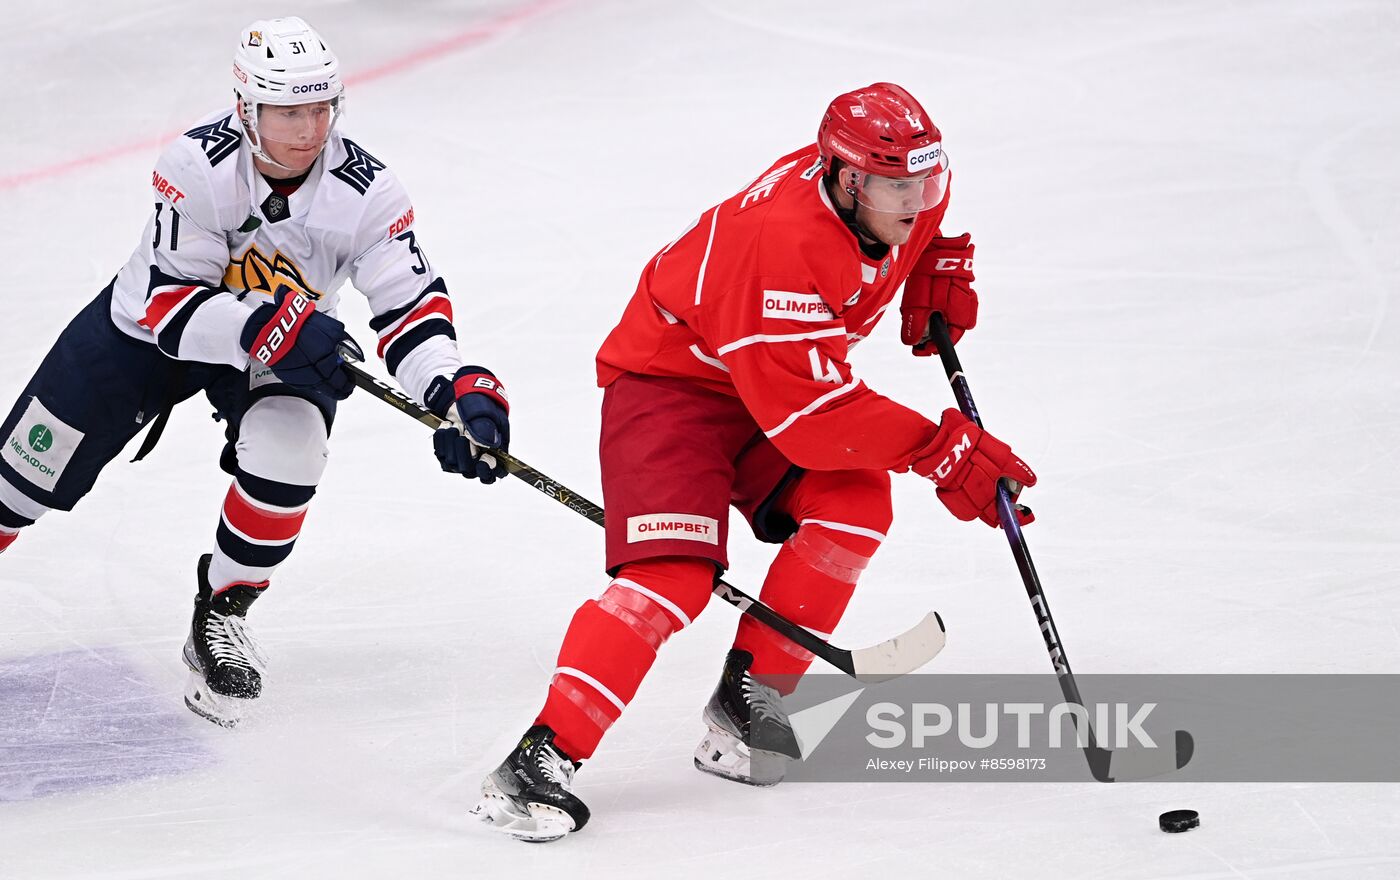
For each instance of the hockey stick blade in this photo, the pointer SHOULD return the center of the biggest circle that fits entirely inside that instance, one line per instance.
(1134, 764)
(893, 657)
(902, 654)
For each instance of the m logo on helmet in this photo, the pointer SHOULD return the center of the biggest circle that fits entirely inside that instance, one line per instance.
(925, 157)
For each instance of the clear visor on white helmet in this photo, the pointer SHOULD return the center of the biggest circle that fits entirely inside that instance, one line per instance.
(899, 195)
(292, 135)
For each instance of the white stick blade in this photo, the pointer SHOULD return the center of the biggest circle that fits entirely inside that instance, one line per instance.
(903, 653)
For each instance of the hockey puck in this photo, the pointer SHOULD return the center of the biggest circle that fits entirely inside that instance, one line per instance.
(1177, 821)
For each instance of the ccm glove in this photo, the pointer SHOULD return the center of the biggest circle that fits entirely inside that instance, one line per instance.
(300, 344)
(941, 281)
(965, 462)
(477, 413)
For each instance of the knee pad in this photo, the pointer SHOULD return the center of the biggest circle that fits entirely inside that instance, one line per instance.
(658, 597)
(829, 552)
(283, 439)
(842, 518)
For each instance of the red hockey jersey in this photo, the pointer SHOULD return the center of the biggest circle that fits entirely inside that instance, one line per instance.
(763, 298)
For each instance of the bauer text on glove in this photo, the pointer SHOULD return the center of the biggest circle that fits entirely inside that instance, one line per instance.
(299, 343)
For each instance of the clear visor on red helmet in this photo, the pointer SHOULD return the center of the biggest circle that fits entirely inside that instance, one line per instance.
(899, 195)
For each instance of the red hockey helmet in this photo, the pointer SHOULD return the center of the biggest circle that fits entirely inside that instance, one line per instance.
(883, 132)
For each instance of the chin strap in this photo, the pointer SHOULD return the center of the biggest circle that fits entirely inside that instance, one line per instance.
(868, 239)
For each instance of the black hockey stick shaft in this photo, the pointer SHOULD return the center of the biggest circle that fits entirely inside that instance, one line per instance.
(838, 657)
(1006, 508)
(1105, 765)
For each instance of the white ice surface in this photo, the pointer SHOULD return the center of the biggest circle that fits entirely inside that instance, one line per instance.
(1186, 217)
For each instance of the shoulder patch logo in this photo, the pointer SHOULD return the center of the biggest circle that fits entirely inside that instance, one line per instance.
(218, 140)
(359, 167)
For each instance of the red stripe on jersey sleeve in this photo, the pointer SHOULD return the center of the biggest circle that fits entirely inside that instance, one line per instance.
(437, 305)
(163, 304)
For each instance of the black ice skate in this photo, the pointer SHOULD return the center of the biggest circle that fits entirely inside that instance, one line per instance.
(749, 738)
(529, 796)
(226, 665)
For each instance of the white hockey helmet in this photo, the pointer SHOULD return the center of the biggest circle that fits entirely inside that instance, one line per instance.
(283, 61)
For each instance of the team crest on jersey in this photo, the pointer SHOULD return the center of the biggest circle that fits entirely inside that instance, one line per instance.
(255, 272)
(218, 140)
(359, 167)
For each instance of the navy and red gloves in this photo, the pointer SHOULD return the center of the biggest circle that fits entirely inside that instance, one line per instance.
(299, 344)
(474, 404)
(965, 463)
(941, 281)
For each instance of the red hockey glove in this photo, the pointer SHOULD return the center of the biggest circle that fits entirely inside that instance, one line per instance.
(965, 462)
(940, 282)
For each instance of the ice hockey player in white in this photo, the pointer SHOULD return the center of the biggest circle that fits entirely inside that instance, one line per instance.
(262, 211)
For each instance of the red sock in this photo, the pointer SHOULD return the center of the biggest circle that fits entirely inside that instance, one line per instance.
(612, 642)
(7, 538)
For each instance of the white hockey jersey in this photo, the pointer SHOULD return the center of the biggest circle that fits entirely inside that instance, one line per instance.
(220, 241)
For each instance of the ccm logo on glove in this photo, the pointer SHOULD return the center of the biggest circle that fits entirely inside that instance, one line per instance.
(966, 463)
(952, 264)
(286, 323)
(944, 469)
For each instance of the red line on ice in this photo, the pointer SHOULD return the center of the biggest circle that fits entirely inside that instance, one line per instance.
(468, 38)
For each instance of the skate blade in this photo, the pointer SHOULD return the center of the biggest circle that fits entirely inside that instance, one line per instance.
(541, 824)
(722, 754)
(217, 708)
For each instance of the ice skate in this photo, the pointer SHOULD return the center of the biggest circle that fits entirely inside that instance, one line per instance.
(749, 738)
(226, 665)
(528, 797)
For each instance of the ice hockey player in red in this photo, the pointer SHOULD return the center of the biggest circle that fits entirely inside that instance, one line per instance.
(728, 381)
(262, 212)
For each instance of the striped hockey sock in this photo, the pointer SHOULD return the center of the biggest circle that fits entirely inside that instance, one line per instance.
(258, 526)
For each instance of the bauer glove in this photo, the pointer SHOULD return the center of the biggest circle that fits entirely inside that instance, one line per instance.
(299, 344)
(477, 421)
